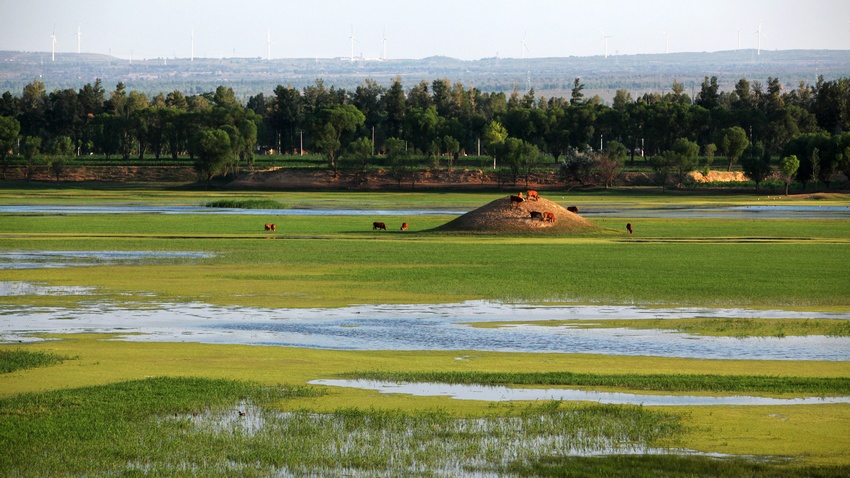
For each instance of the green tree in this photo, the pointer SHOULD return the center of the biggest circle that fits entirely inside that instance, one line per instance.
(9, 130)
(756, 163)
(30, 150)
(685, 159)
(709, 151)
(399, 160)
(494, 139)
(452, 149)
(609, 162)
(576, 96)
(733, 141)
(212, 152)
(334, 122)
(358, 155)
(60, 149)
(789, 166)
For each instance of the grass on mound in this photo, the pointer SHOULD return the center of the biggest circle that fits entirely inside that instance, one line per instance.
(18, 359)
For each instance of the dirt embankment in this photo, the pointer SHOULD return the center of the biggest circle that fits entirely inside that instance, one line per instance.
(117, 174)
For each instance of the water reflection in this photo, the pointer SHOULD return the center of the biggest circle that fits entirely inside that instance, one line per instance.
(425, 327)
(59, 259)
(506, 394)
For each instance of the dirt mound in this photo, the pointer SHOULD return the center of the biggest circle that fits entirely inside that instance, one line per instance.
(503, 216)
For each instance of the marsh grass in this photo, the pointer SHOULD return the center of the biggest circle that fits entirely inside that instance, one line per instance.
(101, 429)
(717, 327)
(183, 426)
(19, 359)
(670, 466)
(654, 382)
(246, 204)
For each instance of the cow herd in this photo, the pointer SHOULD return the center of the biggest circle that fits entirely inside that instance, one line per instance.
(532, 195)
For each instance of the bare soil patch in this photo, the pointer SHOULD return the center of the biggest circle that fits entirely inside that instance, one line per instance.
(504, 216)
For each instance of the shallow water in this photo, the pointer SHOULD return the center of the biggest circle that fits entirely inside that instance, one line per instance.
(423, 327)
(146, 209)
(58, 259)
(505, 394)
(733, 212)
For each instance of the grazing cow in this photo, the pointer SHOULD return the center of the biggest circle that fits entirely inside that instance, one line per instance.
(271, 227)
(379, 225)
(532, 195)
(573, 209)
(536, 215)
(517, 199)
(629, 227)
(404, 226)
(548, 217)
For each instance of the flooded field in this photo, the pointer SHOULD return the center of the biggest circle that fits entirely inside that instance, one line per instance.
(415, 327)
(671, 212)
(504, 394)
(58, 259)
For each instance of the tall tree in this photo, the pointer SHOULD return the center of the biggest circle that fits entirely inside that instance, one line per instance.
(732, 143)
(576, 96)
(789, 166)
(9, 130)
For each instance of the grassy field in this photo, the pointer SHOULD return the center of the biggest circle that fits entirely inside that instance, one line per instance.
(171, 408)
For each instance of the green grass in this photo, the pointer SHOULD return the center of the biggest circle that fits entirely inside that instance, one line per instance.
(188, 426)
(19, 359)
(717, 327)
(669, 466)
(111, 426)
(648, 382)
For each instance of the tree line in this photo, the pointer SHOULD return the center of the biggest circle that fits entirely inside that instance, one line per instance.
(749, 125)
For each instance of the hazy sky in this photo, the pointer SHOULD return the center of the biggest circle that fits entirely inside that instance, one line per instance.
(465, 29)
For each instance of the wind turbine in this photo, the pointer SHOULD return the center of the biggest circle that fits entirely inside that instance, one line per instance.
(384, 46)
(351, 58)
(269, 44)
(79, 36)
(523, 46)
(759, 34)
(192, 54)
(666, 42)
(53, 44)
(606, 37)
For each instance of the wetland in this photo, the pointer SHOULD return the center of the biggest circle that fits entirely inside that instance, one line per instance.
(169, 324)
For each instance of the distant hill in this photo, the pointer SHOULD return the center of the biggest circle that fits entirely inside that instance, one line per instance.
(548, 76)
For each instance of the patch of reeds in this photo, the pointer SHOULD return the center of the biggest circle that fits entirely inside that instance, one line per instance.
(655, 382)
(204, 427)
(19, 359)
(670, 466)
(246, 204)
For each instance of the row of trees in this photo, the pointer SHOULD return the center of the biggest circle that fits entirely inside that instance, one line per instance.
(753, 123)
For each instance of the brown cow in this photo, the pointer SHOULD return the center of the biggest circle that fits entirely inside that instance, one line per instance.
(548, 217)
(379, 225)
(536, 215)
(517, 199)
(573, 209)
(271, 227)
(532, 195)
(404, 226)
(629, 227)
